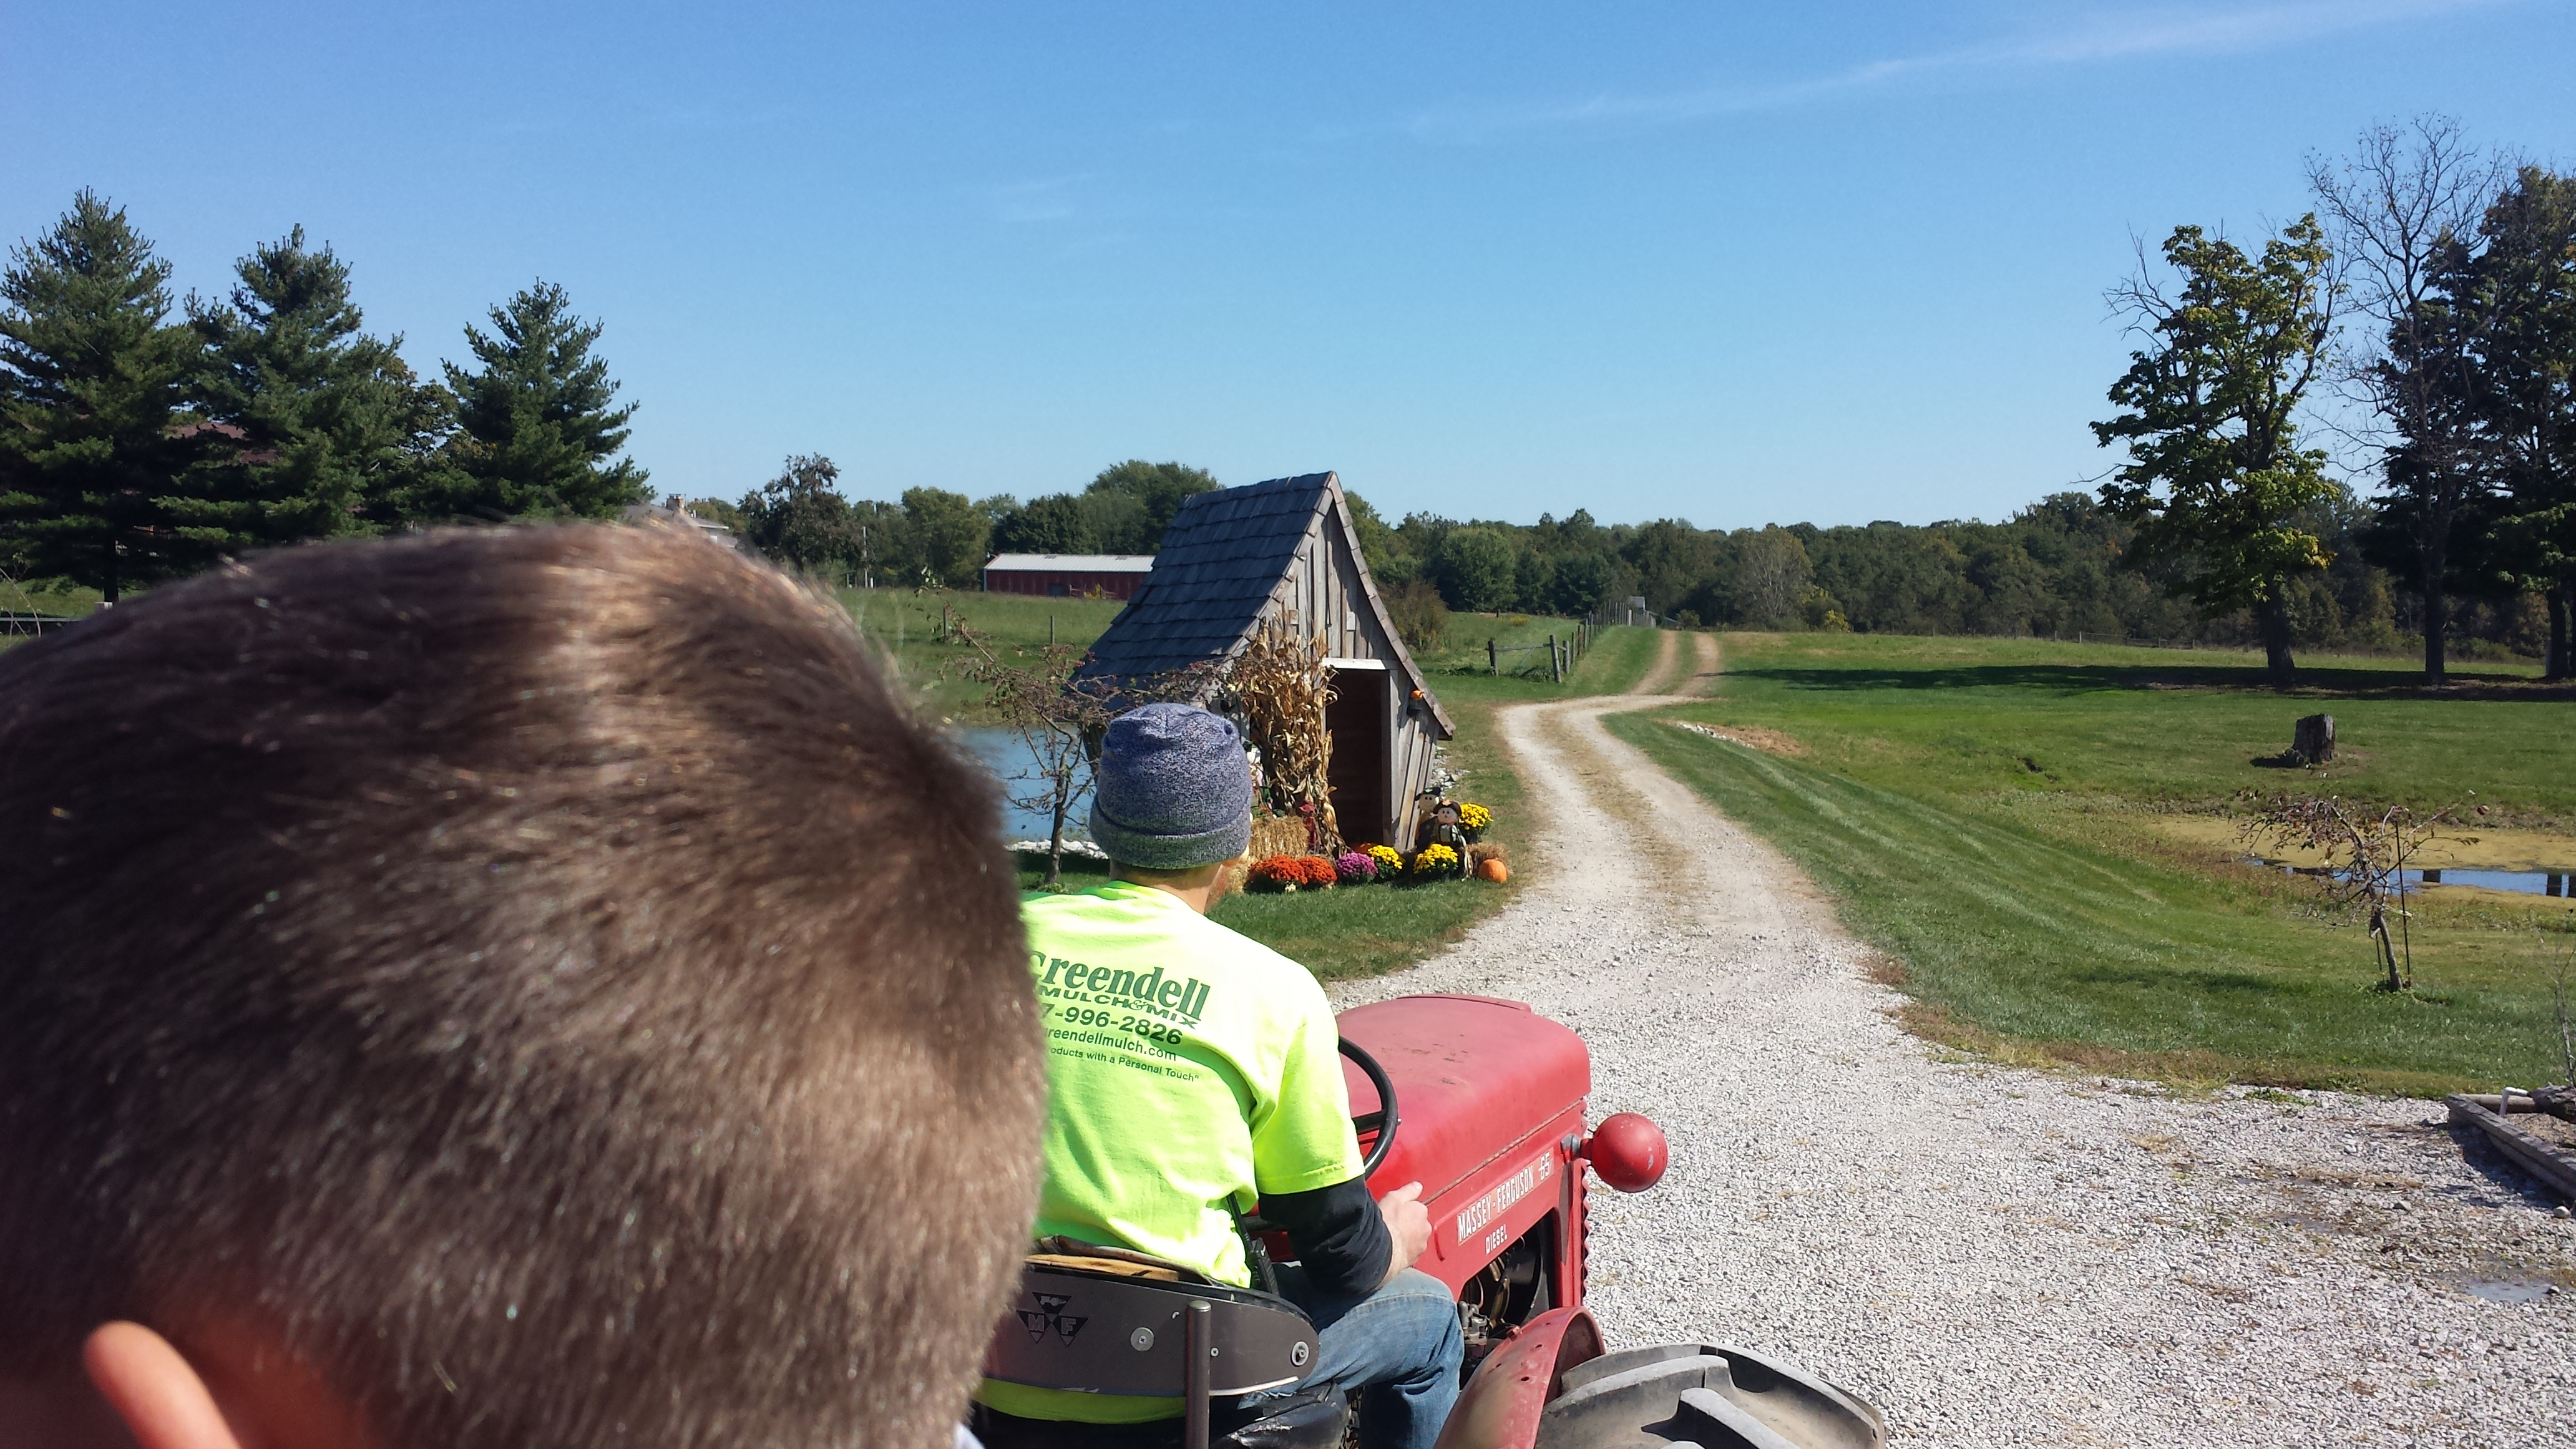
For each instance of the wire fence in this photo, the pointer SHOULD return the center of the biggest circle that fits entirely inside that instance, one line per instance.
(1563, 653)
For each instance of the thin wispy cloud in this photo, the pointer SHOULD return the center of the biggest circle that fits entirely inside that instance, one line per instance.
(1043, 200)
(2140, 34)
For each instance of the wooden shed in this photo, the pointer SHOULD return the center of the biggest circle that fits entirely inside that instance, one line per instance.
(1237, 558)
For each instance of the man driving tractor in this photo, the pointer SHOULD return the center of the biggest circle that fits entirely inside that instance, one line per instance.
(1193, 1073)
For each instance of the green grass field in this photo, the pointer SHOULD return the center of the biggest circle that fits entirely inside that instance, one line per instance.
(907, 625)
(2036, 836)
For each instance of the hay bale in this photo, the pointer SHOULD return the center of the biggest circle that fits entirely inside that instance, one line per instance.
(1278, 835)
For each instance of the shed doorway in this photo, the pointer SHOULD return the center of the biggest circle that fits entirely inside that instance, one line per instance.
(1357, 777)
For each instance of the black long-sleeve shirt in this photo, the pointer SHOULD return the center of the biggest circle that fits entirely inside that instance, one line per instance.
(1339, 1235)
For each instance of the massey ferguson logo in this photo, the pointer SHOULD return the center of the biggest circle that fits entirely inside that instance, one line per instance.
(1050, 1314)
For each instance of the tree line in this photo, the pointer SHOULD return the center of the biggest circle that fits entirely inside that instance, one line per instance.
(2056, 568)
(934, 538)
(144, 436)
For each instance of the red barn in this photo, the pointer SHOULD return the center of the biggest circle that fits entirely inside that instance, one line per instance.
(1067, 575)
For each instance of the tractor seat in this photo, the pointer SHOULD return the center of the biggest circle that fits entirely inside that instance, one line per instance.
(1107, 1321)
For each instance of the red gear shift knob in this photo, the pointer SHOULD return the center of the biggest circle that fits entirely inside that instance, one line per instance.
(1628, 1151)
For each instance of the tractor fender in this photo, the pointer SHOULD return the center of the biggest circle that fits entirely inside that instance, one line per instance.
(1501, 1405)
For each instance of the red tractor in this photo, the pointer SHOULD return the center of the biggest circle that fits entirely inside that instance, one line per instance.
(1482, 1102)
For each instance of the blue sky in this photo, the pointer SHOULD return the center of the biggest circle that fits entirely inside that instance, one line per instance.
(1733, 263)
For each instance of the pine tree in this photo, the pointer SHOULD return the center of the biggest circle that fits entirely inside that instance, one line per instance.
(324, 425)
(534, 426)
(93, 379)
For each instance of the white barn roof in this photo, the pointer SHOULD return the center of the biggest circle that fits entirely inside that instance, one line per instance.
(1077, 563)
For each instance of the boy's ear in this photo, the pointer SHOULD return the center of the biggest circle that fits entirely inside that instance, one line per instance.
(233, 1387)
(162, 1400)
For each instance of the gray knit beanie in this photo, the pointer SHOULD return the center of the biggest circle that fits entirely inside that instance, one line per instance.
(1173, 789)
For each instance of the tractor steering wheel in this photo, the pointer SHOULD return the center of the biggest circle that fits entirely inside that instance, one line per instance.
(1383, 1120)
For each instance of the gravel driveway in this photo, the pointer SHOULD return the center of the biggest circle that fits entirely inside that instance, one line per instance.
(1993, 1256)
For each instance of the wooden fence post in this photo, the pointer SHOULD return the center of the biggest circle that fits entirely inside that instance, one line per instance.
(1555, 671)
(1493, 664)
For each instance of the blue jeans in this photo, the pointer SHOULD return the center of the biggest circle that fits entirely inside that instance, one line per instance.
(1396, 1352)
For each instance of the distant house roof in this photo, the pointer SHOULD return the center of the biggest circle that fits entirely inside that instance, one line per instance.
(1074, 563)
(1220, 564)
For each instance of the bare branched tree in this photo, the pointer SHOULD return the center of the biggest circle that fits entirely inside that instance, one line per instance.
(1055, 718)
(2364, 861)
(1041, 697)
(2402, 212)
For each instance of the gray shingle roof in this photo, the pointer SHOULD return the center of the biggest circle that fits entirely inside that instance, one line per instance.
(1221, 558)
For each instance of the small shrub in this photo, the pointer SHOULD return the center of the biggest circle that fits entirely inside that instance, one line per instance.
(1435, 861)
(1290, 872)
(1420, 614)
(1474, 818)
(1275, 873)
(1356, 867)
(1390, 864)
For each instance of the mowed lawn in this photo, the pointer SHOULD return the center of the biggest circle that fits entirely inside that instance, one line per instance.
(2036, 836)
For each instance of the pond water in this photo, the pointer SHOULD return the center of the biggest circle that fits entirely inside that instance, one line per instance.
(1001, 752)
(2521, 882)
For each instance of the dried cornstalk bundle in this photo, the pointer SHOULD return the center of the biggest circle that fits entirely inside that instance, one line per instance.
(1279, 687)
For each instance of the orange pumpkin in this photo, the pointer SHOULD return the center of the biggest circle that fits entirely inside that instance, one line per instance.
(1493, 870)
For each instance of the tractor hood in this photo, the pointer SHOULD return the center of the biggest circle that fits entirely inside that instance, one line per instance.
(1480, 1084)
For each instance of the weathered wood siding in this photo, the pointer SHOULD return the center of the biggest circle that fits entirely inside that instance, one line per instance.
(1322, 587)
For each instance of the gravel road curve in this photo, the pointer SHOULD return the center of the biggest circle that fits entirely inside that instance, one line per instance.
(1993, 1256)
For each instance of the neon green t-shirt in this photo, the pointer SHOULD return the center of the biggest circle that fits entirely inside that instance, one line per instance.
(1188, 1068)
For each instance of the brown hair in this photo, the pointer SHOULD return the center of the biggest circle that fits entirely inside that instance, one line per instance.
(542, 977)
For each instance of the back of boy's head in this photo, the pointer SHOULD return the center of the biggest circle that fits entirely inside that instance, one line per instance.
(542, 979)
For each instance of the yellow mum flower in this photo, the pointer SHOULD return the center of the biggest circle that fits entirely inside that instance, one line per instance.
(1475, 817)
